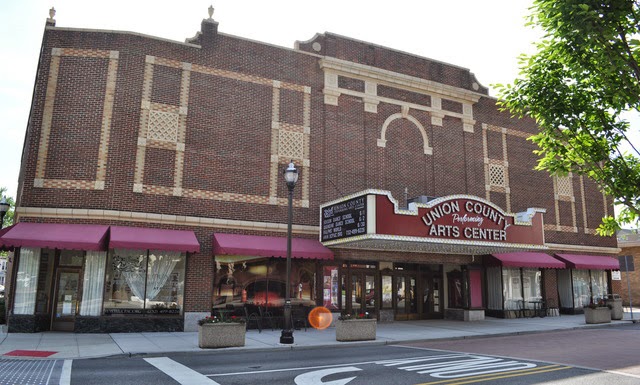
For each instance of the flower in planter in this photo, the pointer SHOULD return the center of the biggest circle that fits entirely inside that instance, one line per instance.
(595, 305)
(215, 320)
(347, 316)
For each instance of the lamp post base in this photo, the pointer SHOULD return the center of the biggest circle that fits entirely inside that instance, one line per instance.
(286, 337)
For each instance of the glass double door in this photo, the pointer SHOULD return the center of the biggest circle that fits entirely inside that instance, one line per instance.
(363, 292)
(417, 296)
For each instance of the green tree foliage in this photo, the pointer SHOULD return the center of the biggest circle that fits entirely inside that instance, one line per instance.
(579, 86)
(8, 217)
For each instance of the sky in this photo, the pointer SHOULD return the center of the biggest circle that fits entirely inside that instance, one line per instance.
(484, 36)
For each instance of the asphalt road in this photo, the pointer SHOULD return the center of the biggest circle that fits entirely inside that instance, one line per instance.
(578, 357)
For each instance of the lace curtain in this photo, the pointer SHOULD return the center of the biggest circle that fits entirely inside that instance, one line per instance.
(512, 288)
(92, 291)
(565, 291)
(27, 281)
(159, 269)
(136, 268)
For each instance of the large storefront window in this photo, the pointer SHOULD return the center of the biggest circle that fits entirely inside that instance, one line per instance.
(531, 286)
(262, 281)
(512, 288)
(26, 281)
(141, 282)
(93, 284)
(599, 285)
(581, 292)
(494, 288)
(330, 287)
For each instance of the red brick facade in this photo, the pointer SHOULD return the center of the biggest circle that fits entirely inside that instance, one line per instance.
(195, 136)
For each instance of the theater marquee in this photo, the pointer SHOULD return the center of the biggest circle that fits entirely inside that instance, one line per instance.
(456, 219)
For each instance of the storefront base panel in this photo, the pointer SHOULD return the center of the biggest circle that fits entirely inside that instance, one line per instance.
(28, 323)
(111, 324)
(464, 314)
(386, 315)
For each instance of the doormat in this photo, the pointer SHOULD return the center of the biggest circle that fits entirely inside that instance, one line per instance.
(29, 353)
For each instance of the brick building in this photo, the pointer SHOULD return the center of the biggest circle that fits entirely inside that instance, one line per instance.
(151, 188)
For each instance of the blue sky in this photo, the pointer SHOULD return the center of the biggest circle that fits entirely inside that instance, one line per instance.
(485, 36)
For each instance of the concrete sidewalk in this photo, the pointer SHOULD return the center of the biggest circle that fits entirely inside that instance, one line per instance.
(76, 346)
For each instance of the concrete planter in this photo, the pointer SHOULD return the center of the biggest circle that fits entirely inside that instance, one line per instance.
(616, 308)
(599, 315)
(356, 330)
(221, 335)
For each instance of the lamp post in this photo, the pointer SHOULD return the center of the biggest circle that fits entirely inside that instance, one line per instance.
(4, 207)
(291, 177)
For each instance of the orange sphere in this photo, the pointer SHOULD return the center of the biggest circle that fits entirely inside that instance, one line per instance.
(320, 317)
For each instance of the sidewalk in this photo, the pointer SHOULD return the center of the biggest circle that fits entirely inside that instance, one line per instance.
(56, 345)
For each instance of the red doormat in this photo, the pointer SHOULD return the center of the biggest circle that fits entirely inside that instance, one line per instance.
(29, 353)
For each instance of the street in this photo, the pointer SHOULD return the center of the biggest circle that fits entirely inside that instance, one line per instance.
(591, 356)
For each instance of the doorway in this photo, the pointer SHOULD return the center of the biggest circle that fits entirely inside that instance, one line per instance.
(363, 292)
(66, 304)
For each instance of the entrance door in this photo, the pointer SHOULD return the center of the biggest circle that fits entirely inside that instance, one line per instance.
(66, 299)
(363, 292)
(405, 291)
(431, 292)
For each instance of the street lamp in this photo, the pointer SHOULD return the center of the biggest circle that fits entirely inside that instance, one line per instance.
(291, 177)
(4, 207)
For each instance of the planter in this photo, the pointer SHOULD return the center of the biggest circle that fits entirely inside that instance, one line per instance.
(356, 330)
(221, 335)
(616, 308)
(599, 315)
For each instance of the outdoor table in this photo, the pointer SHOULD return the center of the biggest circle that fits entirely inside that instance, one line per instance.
(538, 309)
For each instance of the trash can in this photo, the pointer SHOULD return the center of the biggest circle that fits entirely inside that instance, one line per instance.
(615, 303)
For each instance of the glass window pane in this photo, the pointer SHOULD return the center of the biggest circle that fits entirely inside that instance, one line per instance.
(599, 285)
(93, 283)
(387, 292)
(26, 281)
(356, 292)
(581, 291)
(531, 279)
(126, 277)
(400, 295)
(165, 282)
(45, 278)
(330, 287)
(512, 290)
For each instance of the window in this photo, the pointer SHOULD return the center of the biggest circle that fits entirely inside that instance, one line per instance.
(145, 282)
(26, 281)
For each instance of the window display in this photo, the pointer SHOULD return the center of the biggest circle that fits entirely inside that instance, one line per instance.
(145, 282)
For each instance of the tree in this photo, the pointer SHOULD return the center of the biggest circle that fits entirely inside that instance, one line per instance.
(8, 217)
(578, 87)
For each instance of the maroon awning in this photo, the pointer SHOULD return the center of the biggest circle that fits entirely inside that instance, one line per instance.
(56, 236)
(2, 232)
(529, 259)
(143, 238)
(586, 262)
(254, 245)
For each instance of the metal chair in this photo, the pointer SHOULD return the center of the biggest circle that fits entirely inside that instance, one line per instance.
(252, 317)
(266, 315)
(299, 317)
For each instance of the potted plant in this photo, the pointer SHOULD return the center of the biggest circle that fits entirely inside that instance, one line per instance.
(214, 332)
(597, 313)
(355, 327)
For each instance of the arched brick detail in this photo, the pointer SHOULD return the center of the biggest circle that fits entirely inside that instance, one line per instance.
(382, 141)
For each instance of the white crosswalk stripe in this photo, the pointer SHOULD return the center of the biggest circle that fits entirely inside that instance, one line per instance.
(179, 372)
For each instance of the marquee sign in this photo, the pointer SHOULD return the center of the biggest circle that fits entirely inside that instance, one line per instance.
(374, 215)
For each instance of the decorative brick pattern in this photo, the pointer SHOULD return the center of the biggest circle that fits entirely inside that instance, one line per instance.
(164, 126)
(57, 54)
(563, 188)
(496, 170)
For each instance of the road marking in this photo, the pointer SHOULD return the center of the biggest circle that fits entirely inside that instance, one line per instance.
(487, 377)
(179, 372)
(315, 377)
(65, 374)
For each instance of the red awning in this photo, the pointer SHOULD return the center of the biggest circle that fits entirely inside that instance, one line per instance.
(253, 245)
(529, 259)
(56, 236)
(143, 238)
(590, 262)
